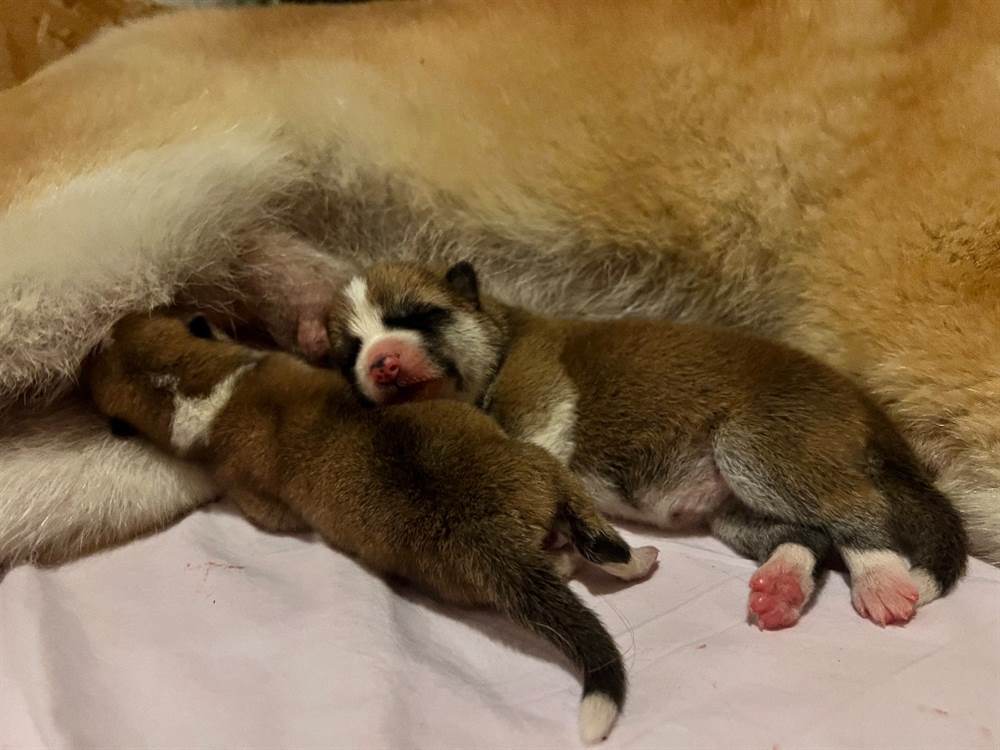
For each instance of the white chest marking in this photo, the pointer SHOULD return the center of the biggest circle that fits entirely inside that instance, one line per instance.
(555, 434)
(193, 417)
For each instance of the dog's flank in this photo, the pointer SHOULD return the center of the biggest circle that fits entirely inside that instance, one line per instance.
(673, 424)
(437, 495)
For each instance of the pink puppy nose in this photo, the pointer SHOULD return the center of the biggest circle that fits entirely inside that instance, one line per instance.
(385, 370)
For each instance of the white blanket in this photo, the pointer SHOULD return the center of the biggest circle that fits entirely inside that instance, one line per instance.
(216, 635)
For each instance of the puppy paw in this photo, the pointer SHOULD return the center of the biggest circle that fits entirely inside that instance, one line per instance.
(640, 565)
(780, 588)
(885, 597)
(882, 588)
(776, 599)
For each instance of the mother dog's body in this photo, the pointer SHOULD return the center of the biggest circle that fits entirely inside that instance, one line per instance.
(819, 172)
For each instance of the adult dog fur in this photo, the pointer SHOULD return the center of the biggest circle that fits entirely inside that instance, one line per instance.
(823, 173)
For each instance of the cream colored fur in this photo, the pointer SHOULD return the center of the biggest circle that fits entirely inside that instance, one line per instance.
(826, 173)
(68, 487)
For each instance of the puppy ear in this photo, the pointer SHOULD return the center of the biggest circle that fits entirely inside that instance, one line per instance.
(200, 327)
(461, 279)
(121, 428)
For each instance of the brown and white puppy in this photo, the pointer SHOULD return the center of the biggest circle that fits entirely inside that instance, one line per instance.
(672, 424)
(435, 494)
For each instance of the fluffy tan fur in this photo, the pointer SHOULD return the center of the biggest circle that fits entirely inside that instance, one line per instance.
(821, 172)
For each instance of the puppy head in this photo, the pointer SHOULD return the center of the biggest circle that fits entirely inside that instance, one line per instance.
(150, 364)
(406, 332)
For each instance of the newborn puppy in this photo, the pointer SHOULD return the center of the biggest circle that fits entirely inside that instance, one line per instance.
(673, 425)
(436, 494)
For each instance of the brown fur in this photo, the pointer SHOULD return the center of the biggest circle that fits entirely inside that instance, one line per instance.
(435, 495)
(662, 417)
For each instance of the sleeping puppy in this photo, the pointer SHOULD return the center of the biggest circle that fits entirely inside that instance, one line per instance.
(676, 424)
(435, 494)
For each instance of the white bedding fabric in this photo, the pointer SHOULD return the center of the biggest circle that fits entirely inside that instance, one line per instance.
(216, 635)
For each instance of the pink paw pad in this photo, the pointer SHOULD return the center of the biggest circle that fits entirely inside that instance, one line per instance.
(776, 597)
(886, 597)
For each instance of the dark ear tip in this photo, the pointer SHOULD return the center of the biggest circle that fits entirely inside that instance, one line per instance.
(200, 327)
(121, 428)
(462, 269)
(461, 277)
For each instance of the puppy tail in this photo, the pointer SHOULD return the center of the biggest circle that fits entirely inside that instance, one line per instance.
(536, 598)
(924, 522)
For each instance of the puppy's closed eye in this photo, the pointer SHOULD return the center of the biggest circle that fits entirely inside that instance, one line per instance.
(200, 327)
(121, 428)
(424, 318)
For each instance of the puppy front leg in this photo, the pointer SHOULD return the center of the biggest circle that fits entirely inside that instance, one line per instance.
(264, 513)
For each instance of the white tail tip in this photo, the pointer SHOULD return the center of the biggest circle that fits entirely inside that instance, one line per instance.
(597, 715)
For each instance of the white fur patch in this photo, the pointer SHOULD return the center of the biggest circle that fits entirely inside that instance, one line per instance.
(193, 417)
(365, 318)
(865, 562)
(365, 322)
(796, 556)
(926, 585)
(556, 433)
(597, 715)
(642, 561)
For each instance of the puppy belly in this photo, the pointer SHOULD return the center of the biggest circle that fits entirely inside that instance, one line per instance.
(686, 502)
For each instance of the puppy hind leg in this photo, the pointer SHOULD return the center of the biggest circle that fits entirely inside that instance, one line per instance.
(783, 585)
(268, 515)
(600, 544)
(882, 588)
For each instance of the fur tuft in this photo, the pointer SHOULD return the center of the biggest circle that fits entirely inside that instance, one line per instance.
(597, 715)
